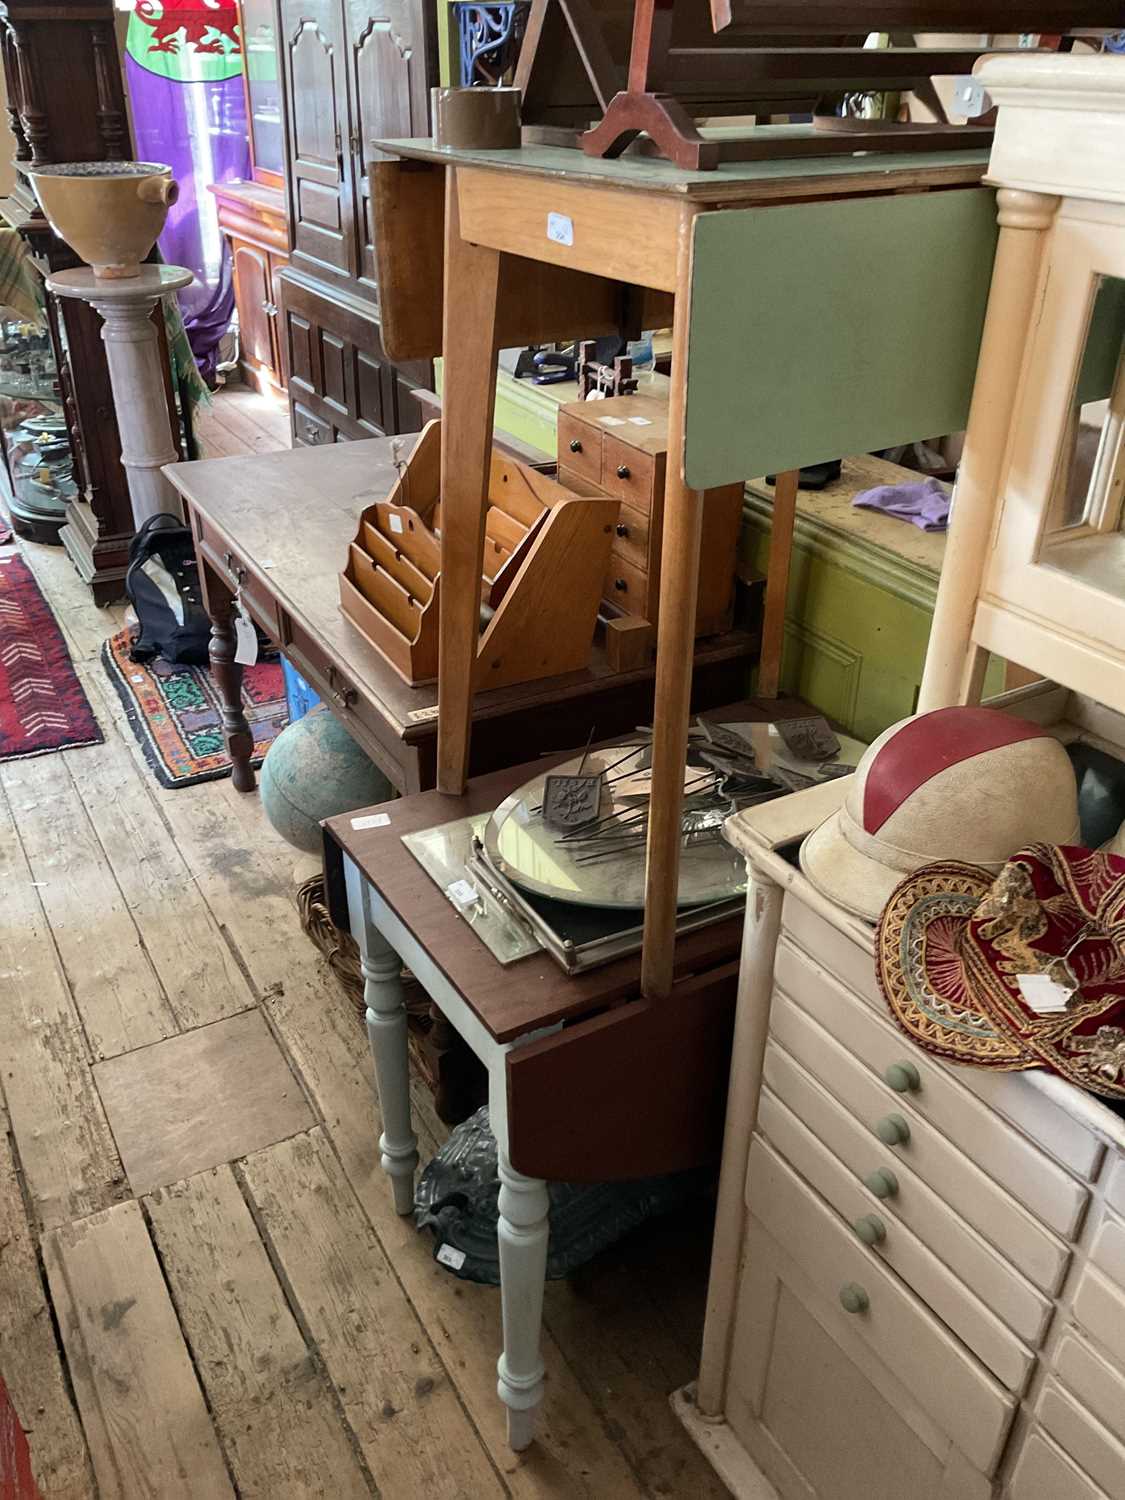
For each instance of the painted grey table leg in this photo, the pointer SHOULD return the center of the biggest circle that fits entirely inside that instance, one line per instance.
(386, 1032)
(522, 1233)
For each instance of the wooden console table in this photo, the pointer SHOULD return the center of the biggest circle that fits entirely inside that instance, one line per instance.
(276, 526)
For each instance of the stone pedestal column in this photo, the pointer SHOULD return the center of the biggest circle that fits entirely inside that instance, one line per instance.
(134, 358)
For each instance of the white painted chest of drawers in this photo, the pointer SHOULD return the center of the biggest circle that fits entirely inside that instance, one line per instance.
(918, 1283)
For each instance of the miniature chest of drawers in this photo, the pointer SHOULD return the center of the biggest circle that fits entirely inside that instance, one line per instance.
(620, 446)
(918, 1282)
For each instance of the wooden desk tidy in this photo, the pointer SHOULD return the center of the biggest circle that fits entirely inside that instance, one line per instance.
(546, 554)
(620, 446)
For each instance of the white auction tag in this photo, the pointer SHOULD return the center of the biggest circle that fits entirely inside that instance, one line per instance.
(395, 523)
(1044, 995)
(372, 820)
(640, 421)
(560, 229)
(463, 894)
(450, 1256)
(246, 640)
(612, 421)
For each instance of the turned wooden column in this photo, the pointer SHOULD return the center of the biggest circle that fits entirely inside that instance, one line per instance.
(136, 375)
(1024, 219)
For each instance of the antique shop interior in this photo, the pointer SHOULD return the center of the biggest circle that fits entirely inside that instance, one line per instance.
(562, 750)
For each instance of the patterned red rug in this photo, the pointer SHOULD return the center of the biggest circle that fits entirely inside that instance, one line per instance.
(175, 712)
(42, 704)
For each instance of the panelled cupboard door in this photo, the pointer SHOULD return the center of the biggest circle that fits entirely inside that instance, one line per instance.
(313, 58)
(1054, 591)
(253, 288)
(822, 1418)
(391, 64)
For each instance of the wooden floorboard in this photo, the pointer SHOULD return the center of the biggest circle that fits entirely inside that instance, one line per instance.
(265, 1325)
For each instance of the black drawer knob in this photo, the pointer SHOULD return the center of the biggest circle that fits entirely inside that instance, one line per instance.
(619, 583)
(622, 529)
(575, 446)
(622, 471)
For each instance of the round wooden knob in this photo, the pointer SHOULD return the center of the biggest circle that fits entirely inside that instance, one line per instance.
(575, 446)
(903, 1077)
(893, 1130)
(853, 1298)
(882, 1182)
(619, 583)
(622, 529)
(622, 471)
(871, 1229)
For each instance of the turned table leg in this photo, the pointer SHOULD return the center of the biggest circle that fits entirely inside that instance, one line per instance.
(522, 1234)
(228, 679)
(385, 996)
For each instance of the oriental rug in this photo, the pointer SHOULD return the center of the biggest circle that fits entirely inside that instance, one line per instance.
(175, 714)
(42, 703)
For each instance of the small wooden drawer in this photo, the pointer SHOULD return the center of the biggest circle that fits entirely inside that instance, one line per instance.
(944, 1379)
(906, 1200)
(1044, 1472)
(237, 575)
(984, 1137)
(1099, 1307)
(309, 430)
(628, 587)
(580, 447)
(944, 1166)
(924, 1273)
(632, 537)
(1040, 1118)
(1096, 1449)
(1097, 1385)
(1115, 1185)
(630, 473)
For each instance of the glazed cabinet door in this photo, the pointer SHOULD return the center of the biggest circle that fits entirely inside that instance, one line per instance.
(312, 55)
(391, 63)
(253, 295)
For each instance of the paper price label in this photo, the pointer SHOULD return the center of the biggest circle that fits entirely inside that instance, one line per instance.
(394, 522)
(372, 820)
(560, 229)
(450, 1256)
(463, 894)
(246, 641)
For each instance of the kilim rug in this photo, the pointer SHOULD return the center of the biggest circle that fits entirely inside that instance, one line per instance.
(42, 704)
(176, 717)
(174, 713)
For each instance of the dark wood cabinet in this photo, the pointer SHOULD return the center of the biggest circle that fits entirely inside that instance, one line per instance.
(66, 103)
(353, 71)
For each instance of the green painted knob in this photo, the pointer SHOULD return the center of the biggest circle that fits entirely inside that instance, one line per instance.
(882, 1182)
(871, 1229)
(903, 1077)
(853, 1298)
(893, 1130)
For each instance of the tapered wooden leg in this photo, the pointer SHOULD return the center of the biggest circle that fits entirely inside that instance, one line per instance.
(675, 649)
(522, 1234)
(228, 679)
(777, 583)
(469, 382)
(386, 1032)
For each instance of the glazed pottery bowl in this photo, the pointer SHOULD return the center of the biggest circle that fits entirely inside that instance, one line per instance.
(108, 212)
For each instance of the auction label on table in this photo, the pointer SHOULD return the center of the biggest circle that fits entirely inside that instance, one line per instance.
(560, 229)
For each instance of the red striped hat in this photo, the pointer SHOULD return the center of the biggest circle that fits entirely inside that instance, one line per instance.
(966, 784)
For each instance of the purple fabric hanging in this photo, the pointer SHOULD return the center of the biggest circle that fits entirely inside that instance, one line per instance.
(194, 121)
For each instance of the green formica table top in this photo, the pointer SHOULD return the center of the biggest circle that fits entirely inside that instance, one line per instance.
(730, 180)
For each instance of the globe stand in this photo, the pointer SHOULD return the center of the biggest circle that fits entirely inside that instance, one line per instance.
(136, 374)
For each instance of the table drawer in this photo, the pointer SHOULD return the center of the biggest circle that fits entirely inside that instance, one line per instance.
(1115, 1185)
(945, 1380)
(1108, 1253)
(1045, 1473)
(1058, 1133)
(1025, 1309)
(1097, 1386)
(632, 537)
(979, 1200)
(580, 447)
(981, 1133)
(630, 473)
(958, 1308)
(629, 588)
(235, 571)
(1093, 1447)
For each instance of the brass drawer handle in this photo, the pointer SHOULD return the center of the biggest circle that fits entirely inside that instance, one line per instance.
(575, 446)
(345, 697)
(623, 471)
(234, 568)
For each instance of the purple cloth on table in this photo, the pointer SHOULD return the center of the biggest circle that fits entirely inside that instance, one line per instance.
(924, 503)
